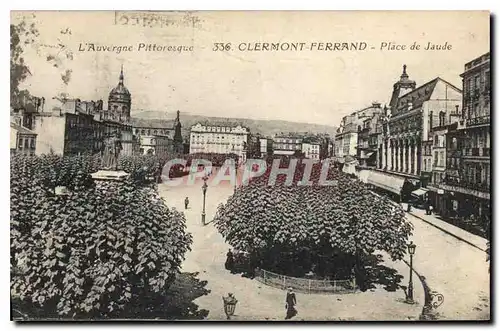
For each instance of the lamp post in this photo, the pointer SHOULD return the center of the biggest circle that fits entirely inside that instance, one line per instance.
(411, 251)
(229, 305)
(236, 180)
(204, 189)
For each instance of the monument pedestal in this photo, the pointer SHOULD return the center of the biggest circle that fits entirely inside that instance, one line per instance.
(117, 175)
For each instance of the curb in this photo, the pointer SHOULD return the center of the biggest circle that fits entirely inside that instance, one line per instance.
(446, 231)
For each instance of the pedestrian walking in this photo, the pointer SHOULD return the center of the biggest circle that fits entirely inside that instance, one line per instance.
(186, 203)
(408, 208)
(290, 303)
(229, 261)
(431, 208)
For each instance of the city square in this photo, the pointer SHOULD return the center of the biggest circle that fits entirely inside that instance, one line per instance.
(258, 301)
(165, 194)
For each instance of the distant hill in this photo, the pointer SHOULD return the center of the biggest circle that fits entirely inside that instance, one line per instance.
(264, 127)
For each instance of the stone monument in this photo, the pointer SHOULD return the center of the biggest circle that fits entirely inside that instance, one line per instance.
(112, 150)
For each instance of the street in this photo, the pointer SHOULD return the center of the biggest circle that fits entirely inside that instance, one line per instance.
(450, 266)
(260, 302)
(453, 268)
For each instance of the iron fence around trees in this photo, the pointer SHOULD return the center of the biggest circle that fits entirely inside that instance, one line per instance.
(304, 285)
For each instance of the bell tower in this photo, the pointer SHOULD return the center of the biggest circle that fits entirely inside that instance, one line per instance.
(119, 102)
(401, 87)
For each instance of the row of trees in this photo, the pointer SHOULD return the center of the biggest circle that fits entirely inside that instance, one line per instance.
(110, 249)
(216, 159)
(328, 229)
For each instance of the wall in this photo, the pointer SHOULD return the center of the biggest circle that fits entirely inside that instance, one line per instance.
(51, 134)
(13, 138)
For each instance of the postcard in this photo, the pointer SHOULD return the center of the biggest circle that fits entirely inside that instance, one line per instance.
(250, 165)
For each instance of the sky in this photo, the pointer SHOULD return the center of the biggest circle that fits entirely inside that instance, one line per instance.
(310, 86)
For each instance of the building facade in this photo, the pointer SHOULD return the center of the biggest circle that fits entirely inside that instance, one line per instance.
(347, 138)
(265, 146)
(161, 128)
(79, 127)
(368, 131)
(413, 113)
(467, 184)
(219, 138)
(22, 140)
(156, 145)
(287, 143)
(311, 149)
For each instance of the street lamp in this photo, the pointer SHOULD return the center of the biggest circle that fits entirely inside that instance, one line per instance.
(204, 189)
(229, 305)
(411, 251)
(236, 181)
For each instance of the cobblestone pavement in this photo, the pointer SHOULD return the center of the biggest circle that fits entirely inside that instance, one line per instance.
(454, 268)
(261, 302)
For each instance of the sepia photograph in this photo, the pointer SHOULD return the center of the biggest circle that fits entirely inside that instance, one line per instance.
(246, 166)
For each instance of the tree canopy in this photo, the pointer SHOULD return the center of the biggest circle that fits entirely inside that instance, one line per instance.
(21, 35)
(104, 250)
(345, 217)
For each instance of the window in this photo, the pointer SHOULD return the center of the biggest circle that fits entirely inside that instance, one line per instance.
(476, 110)
(468, 85)
(477, 83)
(487, 80)
(479, 169)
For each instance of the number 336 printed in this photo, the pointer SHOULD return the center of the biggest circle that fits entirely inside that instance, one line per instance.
(220, 47)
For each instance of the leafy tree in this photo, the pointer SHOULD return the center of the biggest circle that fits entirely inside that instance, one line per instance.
(109, 249)
(21, 35)
(284, 224)
(216, 159)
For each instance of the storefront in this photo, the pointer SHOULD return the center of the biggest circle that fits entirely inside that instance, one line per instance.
(385, 184)
(457, 204)
(437, 199)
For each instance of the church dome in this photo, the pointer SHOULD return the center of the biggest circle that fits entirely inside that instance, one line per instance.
(120, 92)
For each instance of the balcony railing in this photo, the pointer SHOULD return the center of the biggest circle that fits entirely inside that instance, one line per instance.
(453, 181)
(478, 120)
(476, 151)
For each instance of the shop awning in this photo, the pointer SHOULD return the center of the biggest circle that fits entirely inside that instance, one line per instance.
(420, 192)
(367, 155)
(384, 181)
